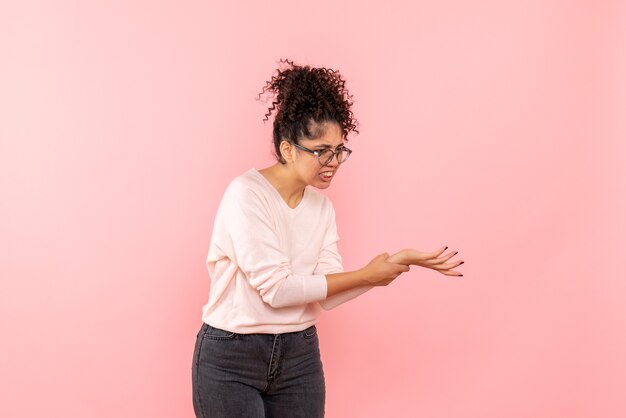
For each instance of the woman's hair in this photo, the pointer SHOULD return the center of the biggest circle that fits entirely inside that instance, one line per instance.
(306, 98)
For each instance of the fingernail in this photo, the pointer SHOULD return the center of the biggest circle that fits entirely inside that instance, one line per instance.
(445, 248)
(460, 275)
(461, 262)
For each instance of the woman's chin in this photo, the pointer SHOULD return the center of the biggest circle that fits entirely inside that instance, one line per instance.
(321, 184)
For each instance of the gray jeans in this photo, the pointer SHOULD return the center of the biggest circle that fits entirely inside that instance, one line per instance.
(257, 375)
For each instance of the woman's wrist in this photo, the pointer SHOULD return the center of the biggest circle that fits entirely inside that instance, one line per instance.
(365, 277)
(398, 258)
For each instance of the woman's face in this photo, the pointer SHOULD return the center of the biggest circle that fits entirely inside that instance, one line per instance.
(307, 165)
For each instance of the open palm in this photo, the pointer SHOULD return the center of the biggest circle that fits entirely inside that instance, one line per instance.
(433, 260)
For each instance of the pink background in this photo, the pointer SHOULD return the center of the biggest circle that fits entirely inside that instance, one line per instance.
(496, 128)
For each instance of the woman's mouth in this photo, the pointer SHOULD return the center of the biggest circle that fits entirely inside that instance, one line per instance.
(326, 175)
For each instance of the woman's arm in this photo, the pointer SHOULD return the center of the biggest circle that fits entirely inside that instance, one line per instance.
(341, 282)
(383, 269)
(379, 272)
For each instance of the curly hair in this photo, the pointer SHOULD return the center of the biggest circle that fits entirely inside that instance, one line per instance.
(306, 98)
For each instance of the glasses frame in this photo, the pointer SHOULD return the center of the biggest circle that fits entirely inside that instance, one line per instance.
(335, 153)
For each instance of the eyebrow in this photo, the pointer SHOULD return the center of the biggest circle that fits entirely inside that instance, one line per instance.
(327, 146)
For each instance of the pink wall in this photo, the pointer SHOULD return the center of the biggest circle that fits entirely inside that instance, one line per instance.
(496, 128)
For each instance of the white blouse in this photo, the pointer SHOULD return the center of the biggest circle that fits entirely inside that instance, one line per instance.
(267, 262)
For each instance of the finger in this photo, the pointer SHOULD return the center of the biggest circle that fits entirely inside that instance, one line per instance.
(433, 254)
(445, 258)
(435, 261)
(449, 256)
(451, 273)
(436, 254)
(446, 266)
(439, 260)
(438, 267)
(454, 263)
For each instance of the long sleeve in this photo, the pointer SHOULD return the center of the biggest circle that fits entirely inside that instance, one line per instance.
(330, 261)
(259, 254)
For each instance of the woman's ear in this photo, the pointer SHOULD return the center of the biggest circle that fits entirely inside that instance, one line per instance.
(286, 150)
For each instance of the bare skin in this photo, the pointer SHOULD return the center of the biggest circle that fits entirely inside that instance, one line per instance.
(433, 260)
(383, 269)
(302, 169)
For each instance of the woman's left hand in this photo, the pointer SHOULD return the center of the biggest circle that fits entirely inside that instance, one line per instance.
(433, 260)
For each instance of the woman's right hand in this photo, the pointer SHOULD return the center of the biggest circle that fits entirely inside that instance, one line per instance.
(380, 272)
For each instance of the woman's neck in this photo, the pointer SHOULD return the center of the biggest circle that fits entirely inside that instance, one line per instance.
(285, 182)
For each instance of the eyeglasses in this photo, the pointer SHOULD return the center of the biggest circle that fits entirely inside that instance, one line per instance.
(325, 156)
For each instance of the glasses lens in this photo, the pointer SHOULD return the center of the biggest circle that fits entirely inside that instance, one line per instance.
(326, 156)
(343, 155)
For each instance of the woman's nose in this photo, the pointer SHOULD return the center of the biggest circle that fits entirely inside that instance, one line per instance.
(334, 162)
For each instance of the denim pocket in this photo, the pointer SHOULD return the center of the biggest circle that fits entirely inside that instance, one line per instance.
(310, 332)
(217, 333)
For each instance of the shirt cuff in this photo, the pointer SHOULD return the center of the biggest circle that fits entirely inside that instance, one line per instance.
(316, 288)
(300, 289)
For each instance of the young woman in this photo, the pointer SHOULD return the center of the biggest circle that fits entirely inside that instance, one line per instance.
(274, 262)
